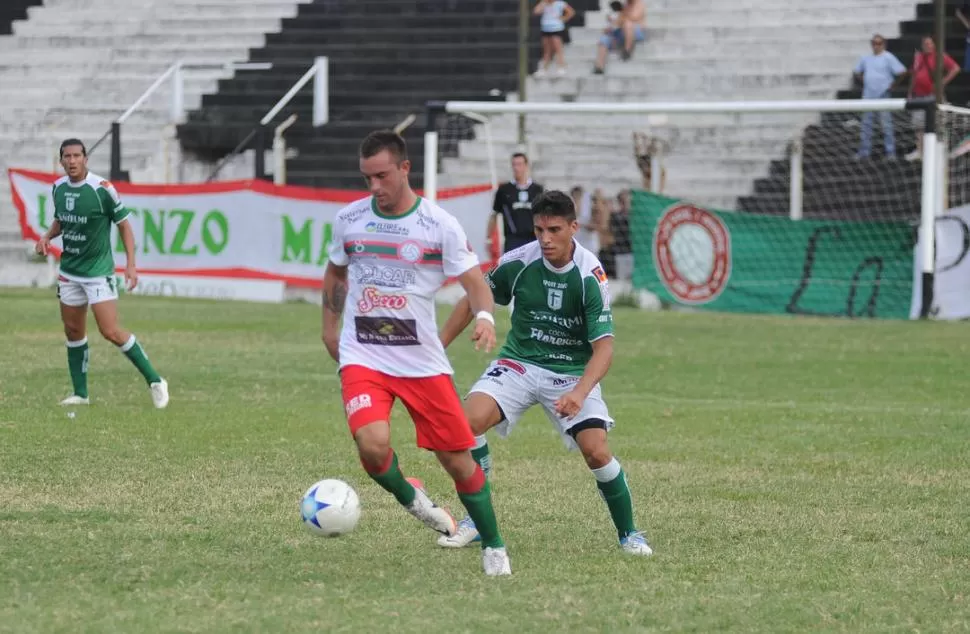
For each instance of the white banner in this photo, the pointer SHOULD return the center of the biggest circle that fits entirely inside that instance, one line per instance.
(243, 229)
(951, 285)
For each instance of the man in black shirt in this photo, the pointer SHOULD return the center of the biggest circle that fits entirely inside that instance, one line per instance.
(513, 200)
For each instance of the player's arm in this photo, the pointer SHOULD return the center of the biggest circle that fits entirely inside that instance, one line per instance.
(458, 320)
(334, 293)
(597, 366)
(128, 239)
(481, 305)
(334, 299)
(599, 333)
(44, 245)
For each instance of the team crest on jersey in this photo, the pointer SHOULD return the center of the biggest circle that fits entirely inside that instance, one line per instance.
(410, 252)
(692, 253)
(600, 274)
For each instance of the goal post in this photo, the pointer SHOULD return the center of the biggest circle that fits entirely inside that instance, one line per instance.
(751, 206)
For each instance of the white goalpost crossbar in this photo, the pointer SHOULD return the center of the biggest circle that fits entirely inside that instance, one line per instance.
(933, 199)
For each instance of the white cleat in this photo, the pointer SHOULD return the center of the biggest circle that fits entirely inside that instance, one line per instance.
(433, 516)
(636, 544)
(495, 561)
(160, 394)
(466, 535)
(74, 399)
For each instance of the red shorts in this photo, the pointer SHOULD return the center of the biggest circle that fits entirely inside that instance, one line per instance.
(439, 420)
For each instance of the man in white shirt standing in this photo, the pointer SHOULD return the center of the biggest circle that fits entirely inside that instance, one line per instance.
(879, 73)
(389, 254)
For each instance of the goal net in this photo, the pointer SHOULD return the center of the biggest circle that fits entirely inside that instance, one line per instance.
(811, 207)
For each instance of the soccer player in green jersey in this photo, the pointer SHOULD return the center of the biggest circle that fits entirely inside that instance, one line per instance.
(557, 352)
(85, 206)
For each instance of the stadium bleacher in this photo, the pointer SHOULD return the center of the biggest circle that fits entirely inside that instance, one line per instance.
(386, 61)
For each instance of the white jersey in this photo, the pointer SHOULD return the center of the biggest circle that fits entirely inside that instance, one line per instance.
(396, 264)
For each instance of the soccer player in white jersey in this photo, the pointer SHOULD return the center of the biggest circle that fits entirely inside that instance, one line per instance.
(85, 208)
(559, 349)
(389, 255)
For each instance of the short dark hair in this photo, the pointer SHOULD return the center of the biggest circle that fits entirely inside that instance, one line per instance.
(522, 155)
(69, 142)
(380, 140)
(556, 204)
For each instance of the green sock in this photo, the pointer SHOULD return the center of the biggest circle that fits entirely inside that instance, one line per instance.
(77, 363)
(479, 506)
(482, 456)
(136, 354)
(392, 480)
(616, 493)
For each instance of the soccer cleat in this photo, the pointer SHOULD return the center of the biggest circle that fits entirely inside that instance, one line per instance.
(495, 561)
(433, 516)
(160, 394)
(467, 534)
(74, 399)
(635, 544)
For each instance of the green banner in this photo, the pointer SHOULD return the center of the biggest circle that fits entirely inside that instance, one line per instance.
(750, 263)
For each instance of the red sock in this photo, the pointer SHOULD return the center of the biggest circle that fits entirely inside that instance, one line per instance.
(379, 470)
(473, 484)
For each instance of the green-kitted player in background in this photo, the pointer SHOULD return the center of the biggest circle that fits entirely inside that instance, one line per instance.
(557, 352)
(85, 206)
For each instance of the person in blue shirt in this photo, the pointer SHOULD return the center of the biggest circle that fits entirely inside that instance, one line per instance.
(879, 74)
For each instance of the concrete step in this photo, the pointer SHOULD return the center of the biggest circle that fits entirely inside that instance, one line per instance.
(844, 29)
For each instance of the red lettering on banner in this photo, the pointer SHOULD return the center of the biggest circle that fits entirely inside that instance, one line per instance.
(374, 300)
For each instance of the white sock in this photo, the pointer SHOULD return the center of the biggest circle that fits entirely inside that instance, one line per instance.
(128, 345)
(608, 472)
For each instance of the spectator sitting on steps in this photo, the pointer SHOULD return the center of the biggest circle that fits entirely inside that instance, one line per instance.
(623, 33)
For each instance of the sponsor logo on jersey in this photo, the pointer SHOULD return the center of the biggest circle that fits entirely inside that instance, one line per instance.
(692, 253)
(357, 403)
(551, 284)
(373, 299)
(600, 275)
(559, 356)
(512, 365)
(425, 221)
(386, 227)
(544, 337)
(565, 322)
(353, 214)
(385, 331)
(383, 275)
(73, 219)
(410, 252)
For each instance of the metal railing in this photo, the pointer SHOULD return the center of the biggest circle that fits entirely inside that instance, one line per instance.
(176, 74)
(319, 72)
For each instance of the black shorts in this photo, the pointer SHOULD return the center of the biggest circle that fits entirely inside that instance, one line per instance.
(563, 35)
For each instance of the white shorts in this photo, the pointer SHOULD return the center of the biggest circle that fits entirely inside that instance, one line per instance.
(89, 291)
(517, 386)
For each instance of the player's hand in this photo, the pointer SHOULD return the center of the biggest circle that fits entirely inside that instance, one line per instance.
(43, 246)
(131, 277)
(331, 341)
(484, 335)
(568, 405)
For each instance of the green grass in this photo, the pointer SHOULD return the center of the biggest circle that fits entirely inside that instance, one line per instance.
(792, 474)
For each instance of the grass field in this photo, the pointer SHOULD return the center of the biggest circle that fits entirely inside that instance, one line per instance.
(792, 475)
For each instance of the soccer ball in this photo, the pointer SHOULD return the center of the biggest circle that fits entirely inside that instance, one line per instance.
(330, 508)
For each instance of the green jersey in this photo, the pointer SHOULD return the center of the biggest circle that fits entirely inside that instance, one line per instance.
(85, 211)
(557, 313)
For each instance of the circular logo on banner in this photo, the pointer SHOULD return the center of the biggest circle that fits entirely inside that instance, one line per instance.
(692, 252)
(410, 252)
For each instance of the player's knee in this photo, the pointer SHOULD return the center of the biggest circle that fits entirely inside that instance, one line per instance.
(597, 457)
(73, 333)
(372, 446)
(114, 334)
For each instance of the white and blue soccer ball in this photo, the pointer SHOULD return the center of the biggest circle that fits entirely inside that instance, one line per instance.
(330, 508)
